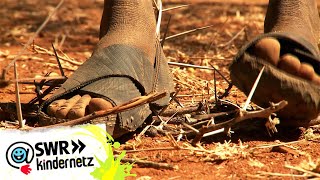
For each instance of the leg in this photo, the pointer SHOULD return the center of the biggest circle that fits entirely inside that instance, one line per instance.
(120, 69)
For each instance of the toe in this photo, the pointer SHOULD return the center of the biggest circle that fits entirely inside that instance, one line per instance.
(306, 71)
(289, 63)
(65, 108)
(54, 106)
(268, 49)
(97, 104)
(79, 109)
(316, 79)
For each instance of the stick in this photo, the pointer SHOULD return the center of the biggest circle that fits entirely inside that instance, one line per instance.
(18, 103)
(279, 174)
(166, 32)
(58, 61)
(150, 164)
(180, 111)
(176, 7)
(212, 58)
(274, 145)
(117, 109)
(220, 74)
(159, 6)
(232, 39)
(303, 170)
(190, 65)
(190, 127)
(253, 89)
(24, 80)
(188, 32)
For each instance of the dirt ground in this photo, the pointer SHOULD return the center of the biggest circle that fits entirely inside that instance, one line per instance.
(250, 153)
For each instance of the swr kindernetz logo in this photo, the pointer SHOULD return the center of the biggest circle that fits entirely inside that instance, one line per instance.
(20, 154)
(52, 154)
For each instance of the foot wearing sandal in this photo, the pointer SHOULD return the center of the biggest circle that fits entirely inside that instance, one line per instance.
(127, 63)
(289, 51)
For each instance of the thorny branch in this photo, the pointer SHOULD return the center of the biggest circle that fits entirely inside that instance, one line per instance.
(243, 115)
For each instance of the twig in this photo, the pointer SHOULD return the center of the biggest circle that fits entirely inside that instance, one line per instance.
(175, 7)
(243, 115)
(286, 149)
(25, 80)
(165, 122)
(188, 32)
(54, 65)
(66, 58)
(230, 103)
(277, 174)
(232, 39)
(192, 95)
(190, 127)
(117, 109)
(221, 28)
(184, 110)
(173, 98)
(274, 145)
(4, 71)
(303, 170)
(156, 4)
(159, 6)
(18, 103)
(154, 149)
(58, 61)
(158, 116)
(166, 32)
(253, 89)
(172, 140)
(213, 115)
(213, 58)
(214, 132)
(151, 164)
(220, 74)
(189, 65)
(215, 87)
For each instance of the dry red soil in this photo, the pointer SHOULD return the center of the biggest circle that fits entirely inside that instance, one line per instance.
(74, 31)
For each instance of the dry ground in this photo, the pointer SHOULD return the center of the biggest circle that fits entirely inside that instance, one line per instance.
(74, 31)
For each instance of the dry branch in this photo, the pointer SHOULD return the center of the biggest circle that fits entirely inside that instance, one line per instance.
(242, 115)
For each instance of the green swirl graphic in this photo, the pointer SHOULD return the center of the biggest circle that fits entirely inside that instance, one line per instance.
(110, 168)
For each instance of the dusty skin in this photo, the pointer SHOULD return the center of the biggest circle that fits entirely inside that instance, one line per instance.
(75, 29)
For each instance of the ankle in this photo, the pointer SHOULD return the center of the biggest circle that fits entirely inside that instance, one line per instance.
(129, 22)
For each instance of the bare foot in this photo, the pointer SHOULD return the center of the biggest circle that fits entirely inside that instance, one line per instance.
(269, 50)
(123, 22)
(77, 106)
